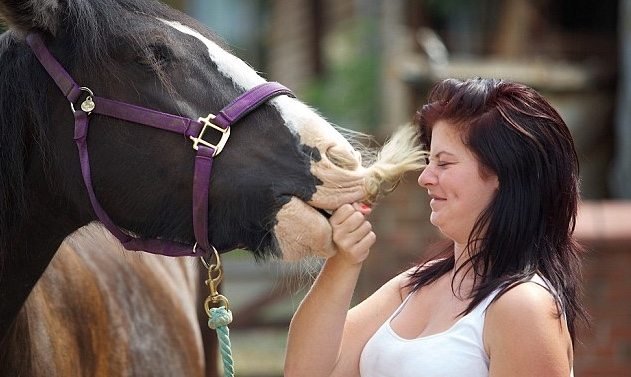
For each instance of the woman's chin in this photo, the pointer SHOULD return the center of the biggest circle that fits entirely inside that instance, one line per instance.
(434, 219)
(438, 222)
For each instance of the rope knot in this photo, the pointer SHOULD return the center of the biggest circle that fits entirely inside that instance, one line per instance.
(218, 317)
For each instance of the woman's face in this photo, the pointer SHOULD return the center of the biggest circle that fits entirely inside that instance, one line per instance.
(452, 178)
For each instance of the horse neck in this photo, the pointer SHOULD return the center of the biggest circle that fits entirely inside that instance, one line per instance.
(15, 349)
(32, 244)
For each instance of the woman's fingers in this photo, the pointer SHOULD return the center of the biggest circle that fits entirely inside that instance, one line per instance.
(341, 214)
(352, 233)
(363, 246)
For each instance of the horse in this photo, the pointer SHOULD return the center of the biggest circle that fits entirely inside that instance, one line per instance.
(125, 73)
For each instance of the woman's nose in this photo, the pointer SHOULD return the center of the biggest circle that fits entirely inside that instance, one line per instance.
(427, 177)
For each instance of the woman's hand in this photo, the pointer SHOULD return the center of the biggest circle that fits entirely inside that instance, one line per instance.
(352, 233)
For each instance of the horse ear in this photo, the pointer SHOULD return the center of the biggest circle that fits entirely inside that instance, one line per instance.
(27, 15)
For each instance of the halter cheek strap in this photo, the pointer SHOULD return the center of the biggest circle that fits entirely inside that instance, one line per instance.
(193, 129)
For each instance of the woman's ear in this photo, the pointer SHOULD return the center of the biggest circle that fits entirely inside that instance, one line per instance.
(29, 15)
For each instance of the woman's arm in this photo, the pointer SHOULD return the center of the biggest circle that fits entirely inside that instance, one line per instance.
(325, 339)
(524, 335)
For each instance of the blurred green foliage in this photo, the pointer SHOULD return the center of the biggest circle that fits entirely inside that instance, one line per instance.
(347, 93)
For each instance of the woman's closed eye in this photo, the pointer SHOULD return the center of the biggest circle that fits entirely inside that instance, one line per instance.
(441, 163)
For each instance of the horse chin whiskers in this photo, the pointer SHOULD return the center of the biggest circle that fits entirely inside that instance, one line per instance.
(298, 275)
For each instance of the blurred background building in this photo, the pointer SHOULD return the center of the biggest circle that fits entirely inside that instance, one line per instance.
(367, 65)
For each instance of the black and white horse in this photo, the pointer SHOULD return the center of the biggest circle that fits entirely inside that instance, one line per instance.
(133, 70)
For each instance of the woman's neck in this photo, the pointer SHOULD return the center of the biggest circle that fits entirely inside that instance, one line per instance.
(462, 275)
(462, 255)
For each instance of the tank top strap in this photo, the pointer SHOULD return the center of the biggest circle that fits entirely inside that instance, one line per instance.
(401, 306)
(484, 304)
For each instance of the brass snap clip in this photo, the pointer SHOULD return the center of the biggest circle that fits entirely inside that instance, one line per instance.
(215, 276)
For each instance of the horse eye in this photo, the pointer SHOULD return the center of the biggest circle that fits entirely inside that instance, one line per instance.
(156, 56)
(161, 53)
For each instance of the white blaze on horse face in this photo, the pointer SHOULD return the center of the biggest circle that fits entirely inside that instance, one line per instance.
(229, 65)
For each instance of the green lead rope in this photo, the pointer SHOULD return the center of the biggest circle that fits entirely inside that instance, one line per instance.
(218, 320)
(219, 316)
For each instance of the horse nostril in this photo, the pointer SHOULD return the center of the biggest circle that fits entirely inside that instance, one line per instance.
(342, 158)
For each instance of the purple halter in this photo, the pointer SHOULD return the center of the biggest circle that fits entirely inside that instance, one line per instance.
(190, 128)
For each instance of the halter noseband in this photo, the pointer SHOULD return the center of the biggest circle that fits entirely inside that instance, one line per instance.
(193, 129)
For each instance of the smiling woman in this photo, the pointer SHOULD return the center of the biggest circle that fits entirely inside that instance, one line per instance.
(503, 297)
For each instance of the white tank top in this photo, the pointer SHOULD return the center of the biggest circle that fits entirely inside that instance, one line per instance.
(457, 351)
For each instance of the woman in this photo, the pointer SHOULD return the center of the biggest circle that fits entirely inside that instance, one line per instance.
(502, 299)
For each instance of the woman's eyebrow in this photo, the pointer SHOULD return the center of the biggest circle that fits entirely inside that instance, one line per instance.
(437, 155)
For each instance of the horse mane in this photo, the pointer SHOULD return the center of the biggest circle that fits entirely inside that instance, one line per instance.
(92, 29)
(20, 131)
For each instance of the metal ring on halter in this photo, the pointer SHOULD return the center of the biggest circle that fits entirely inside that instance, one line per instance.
(215, 276)
(207, 264)
(87, 105)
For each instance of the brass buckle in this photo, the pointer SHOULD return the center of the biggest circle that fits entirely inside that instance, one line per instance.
(225, 134)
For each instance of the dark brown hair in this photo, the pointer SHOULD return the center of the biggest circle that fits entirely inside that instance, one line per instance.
(527, 228)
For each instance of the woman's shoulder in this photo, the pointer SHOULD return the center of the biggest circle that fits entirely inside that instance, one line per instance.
(525, 310)
(524, 324)
(525, 299)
